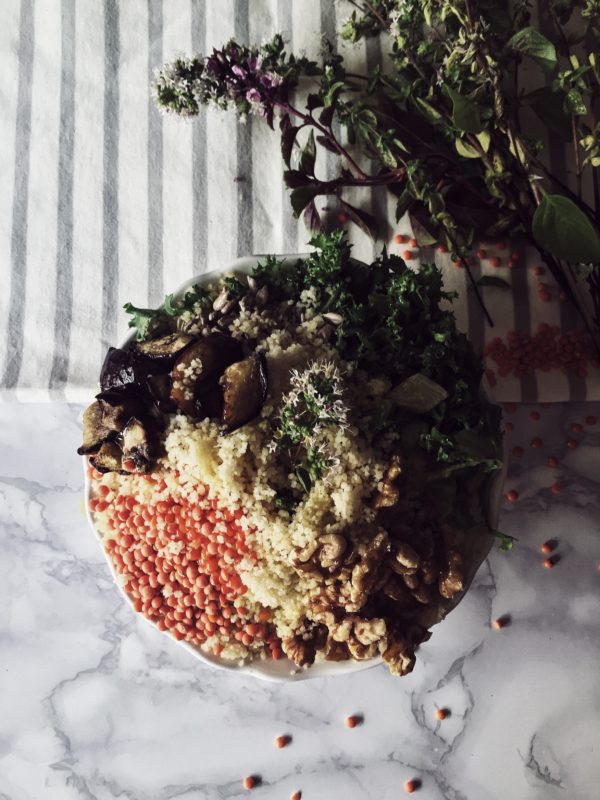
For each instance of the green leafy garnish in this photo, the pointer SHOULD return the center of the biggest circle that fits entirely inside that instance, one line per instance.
(147, 321)
(505, 542)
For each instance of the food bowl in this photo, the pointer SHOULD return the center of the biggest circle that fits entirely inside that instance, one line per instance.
(283, 669)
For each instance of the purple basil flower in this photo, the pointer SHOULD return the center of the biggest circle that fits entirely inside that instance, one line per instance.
(237, 70)
(253, 96)
(270, 80)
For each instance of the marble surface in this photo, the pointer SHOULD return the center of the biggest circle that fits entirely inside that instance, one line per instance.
(95, 704)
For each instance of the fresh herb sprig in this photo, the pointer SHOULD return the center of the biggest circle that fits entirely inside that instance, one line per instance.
(392, 324)
(315, 402)
(147, 321)
(445, 130)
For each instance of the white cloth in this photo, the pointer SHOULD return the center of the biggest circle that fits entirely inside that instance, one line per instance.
(105, 201)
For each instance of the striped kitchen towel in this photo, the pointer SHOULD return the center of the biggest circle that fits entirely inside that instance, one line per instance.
(105, 201)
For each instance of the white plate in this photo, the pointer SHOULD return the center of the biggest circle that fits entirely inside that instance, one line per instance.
(268, 669)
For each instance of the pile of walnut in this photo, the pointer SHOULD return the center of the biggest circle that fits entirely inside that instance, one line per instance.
(372, 588)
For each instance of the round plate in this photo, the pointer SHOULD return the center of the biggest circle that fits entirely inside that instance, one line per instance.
(268, 669)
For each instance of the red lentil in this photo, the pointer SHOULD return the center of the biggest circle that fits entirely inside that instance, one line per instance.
(536, 442)
(353, 721)
(509, 427)
(512, 496)
(408, 255)
(412, 786)
(550, 563)
(166, 552)
(552, 461)
(413, 243)
(342, 217)
(591, 420)
(576, 427)
(296, 796)
(572, 444)
(495, 262)
(441, 713)
(481, 253)
(500, 622)
(548, 547)
(556, 488)
(249, 782)
(517, 452)
(400, 238)
(548, 349)
(534, 415)
(282, 741)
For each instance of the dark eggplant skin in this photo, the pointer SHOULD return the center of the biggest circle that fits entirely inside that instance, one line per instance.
(119, 373)
(245, 386)
(159, 355)
(136, 446)
(108, 459)
(196, 395)
(159, 390)
(104, 419)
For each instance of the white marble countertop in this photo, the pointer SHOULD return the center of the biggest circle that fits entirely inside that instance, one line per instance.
(95, 704)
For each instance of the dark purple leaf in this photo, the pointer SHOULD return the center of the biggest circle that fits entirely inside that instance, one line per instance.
(288, 137)
(301, 197)
(308, 156)
(327, 144)
(365, 221)
(294, 178)
(312, 220)
(326, 116)
(313, 101)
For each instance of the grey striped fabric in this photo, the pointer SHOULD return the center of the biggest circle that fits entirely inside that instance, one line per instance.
(106, 201)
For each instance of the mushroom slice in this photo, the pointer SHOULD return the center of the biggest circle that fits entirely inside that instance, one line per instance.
(244, 391)
(108, 459)
(163, 351)
(199, 364)
(101, 422)
(136, 447)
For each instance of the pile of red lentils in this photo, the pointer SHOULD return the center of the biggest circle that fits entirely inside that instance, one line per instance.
(548, 349)
(179, 563)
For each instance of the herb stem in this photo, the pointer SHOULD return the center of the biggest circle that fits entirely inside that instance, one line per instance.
(472, 280)
(308, 119)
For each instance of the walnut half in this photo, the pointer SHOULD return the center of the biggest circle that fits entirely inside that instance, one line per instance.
(451, 581)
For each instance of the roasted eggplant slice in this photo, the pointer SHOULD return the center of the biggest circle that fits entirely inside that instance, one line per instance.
(200, 365)
(137, 455)
(159, 389)
(244, 391)
(102, 421)
(209, 402)
(119, 371)
(108, 459)
(164, 351)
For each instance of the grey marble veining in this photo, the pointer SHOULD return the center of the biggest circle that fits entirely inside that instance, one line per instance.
(96, 705)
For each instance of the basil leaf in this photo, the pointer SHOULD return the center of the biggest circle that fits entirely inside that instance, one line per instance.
(465, 113)
(565, 231)
(530, 42)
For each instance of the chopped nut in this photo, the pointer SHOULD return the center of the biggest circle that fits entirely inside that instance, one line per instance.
(221, 300)
(451, 580)
(299, 650)
(332, 549)
(389, 494)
